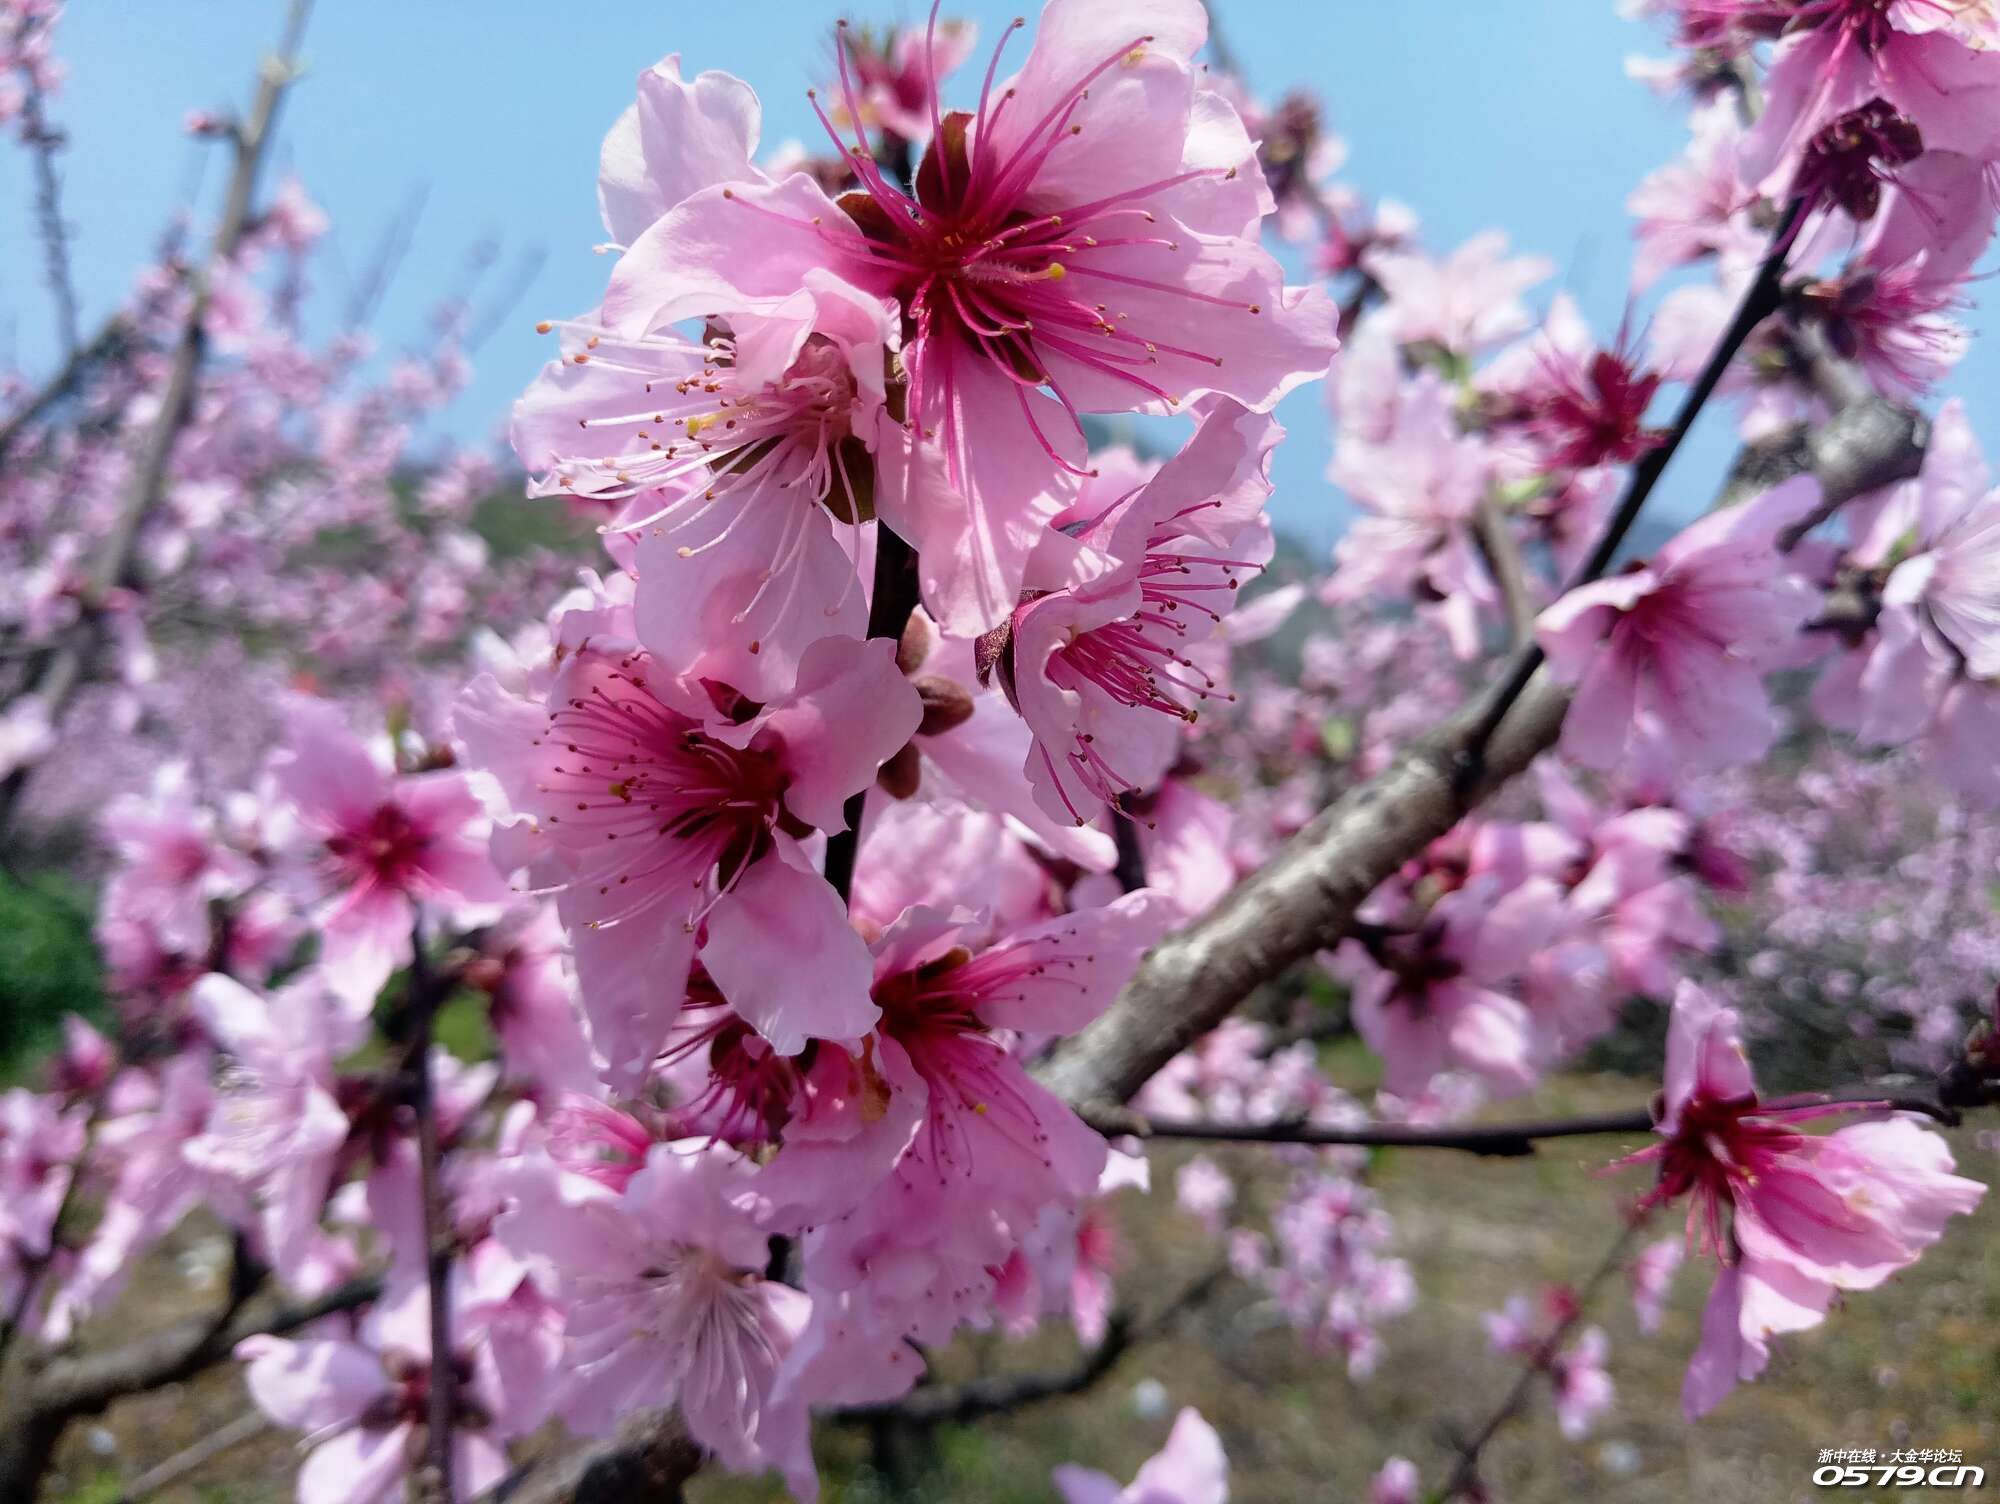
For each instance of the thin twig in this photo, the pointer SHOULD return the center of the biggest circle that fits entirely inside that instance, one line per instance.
(1464, 1475)
(45, 141)
(1760, 300)
(499, 310)
(427, 992)
(246, 1427)
(1499, 1140)
(891, 600)
(1502, 552)
(390, 248)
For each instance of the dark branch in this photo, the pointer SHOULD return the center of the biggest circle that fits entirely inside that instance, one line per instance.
(45, 141)
(427, 993)
(107, 344)
(86, 1383)
(1499, 1140)
(1502, 553)
(1760, 300)
(1464, 1476)
(1864, 447)
(35, 1412)
(890, 602)
(1502, 1140)
(1130, 869)
(1000, 1394)
(652, 1458)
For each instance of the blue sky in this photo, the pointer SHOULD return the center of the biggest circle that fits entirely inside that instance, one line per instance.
(1476, 114)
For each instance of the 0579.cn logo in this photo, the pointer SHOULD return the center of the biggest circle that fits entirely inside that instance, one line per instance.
(1930, 1467)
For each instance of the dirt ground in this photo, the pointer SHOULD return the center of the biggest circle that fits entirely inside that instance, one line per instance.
(1915, 1364)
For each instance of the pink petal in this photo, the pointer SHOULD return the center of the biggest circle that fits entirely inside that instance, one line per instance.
(780, 947)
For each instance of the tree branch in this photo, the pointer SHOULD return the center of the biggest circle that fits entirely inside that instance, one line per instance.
(427, 992)
(1500, 1140)
(1760, 300)
(1503, 557)
(890, 601)
(1303, 899)
(1130, 869)
(86, 1383)
(250, 1424)
(1867, 445)
(63, 671)
(1003, 1393)
(44, 141)
(34, 1414)
(1464, 1476)
(106, 344)
(1495, 1140)
(652, 1457)
(1298, 902)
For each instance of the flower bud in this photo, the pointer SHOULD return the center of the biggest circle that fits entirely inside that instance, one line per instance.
(914, 646)
(947, 705)
(901, 774)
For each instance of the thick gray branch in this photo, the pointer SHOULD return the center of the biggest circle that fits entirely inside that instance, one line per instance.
(1300, 901)
(1304, 898)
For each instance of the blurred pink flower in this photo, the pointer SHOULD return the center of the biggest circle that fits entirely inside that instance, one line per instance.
(1676, 651)
(388, 844)
(1189, 1469)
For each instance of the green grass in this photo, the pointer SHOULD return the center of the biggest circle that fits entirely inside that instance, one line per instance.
(48, 967)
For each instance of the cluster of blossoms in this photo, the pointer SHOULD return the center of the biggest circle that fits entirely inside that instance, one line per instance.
(305, 529)
(786, 392)
(898, 719)
(1483, 453)
(1866, 935)
(1324, 1263)
(1533, 1330)
(1880, 122)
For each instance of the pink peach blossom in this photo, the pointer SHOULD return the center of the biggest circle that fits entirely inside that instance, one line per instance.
(662, 1284)
(387, 844)
(672, 826)
(1081, 242)
(1675, 651)
(1792, 1218)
